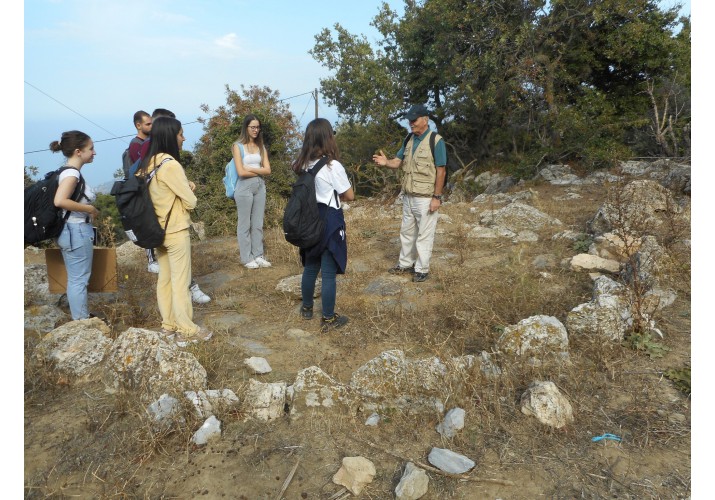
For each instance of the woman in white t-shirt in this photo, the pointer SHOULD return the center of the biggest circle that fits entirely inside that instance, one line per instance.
(329, 257)
(251, 160)
(77, 237)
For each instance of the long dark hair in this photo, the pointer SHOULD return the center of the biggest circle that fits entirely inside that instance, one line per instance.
(319, 141)
(244, 138)
(71, 140)
(163, 140)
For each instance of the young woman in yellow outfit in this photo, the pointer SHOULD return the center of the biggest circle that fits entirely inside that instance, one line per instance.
(173, 197)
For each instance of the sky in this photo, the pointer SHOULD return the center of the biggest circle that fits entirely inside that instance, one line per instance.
(90, 64)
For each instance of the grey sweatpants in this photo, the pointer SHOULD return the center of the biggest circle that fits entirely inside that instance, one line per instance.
(250, 197)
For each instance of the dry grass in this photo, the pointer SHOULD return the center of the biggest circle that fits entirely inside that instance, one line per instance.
(476, 288)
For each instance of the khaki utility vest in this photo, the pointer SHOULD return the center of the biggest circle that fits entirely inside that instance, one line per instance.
(419, 169)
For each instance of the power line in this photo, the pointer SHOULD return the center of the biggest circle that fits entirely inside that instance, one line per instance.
(292, 97)
(62, 104)
(114, 136)
(306, 107)
(105, 140)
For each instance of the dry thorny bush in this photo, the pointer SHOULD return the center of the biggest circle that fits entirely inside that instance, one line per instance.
(476, 288)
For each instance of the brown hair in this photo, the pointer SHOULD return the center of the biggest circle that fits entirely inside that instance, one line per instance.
(319, 141)
(74, 139)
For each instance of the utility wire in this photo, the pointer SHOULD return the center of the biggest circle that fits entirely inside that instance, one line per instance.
(292, 97)
(306, 108)
(114, 136)
(62, 104)
(105, 140)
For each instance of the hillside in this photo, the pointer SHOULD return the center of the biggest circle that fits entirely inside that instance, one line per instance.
(81, 440)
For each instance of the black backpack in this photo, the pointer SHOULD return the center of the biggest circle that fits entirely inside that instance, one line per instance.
(136, 210)
(302, 225)
(126, 159)
(43, 220)
(432, 138)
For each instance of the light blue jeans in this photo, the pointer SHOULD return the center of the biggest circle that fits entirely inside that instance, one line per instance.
(250, 197)
(77, 244)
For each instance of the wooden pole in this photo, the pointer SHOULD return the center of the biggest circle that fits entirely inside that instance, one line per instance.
(315, 96)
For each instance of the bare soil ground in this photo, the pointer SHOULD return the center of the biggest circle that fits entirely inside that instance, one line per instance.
(82, 442)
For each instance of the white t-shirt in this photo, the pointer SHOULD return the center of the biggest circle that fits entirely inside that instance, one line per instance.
(331, 176)
(87, 199)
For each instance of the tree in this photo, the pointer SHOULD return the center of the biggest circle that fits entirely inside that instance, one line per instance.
(516, 82)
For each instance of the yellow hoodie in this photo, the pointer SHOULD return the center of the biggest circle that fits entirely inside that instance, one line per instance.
(170, 188)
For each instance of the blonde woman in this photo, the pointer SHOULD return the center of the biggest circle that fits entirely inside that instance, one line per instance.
(252, 164)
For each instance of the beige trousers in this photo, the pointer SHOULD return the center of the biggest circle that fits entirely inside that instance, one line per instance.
(172, 286)
(417, 232)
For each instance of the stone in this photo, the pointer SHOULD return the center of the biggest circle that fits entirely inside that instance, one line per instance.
(207, 402)
(291, 286)
(44, 318)
(373, 420)
(141, 359)
(536, 336)
(315, 389)
(606, 316)
(449, 461)
(355, 474)
(265, 401)
(258, 365)
(544, 401)
(413, 483)
(518, 217)
(76, 349)
(453, 421)
(164, 410)
(586, 262)
(211, 429)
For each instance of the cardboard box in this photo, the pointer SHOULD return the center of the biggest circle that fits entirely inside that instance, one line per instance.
(104, 270)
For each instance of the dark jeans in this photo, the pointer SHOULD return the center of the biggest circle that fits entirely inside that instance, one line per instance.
(328, 269)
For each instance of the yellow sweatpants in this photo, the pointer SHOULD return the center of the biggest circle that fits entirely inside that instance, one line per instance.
(172, 287)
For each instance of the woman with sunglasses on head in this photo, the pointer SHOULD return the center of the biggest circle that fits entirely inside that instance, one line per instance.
(77, 237)
(251, 160)
(330, 256)
(172, 195)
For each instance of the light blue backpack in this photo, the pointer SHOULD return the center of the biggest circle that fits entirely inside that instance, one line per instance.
(231, 178)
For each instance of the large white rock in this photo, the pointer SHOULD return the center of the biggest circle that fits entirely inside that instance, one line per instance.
(142, 360)
(265, 401)
(315, 389)
(258, 365)
(544, 401)
(77, 348)
(536, 336)
(606, 316)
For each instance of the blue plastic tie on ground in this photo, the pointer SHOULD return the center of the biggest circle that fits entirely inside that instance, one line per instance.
(606, 436)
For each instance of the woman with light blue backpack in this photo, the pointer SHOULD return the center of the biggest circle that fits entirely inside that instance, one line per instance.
(251, 161)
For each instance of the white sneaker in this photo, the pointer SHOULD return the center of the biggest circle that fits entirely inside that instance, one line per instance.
(184, 340)
(153, 267)
(197, 296)
(253, 265)
(262, 262)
